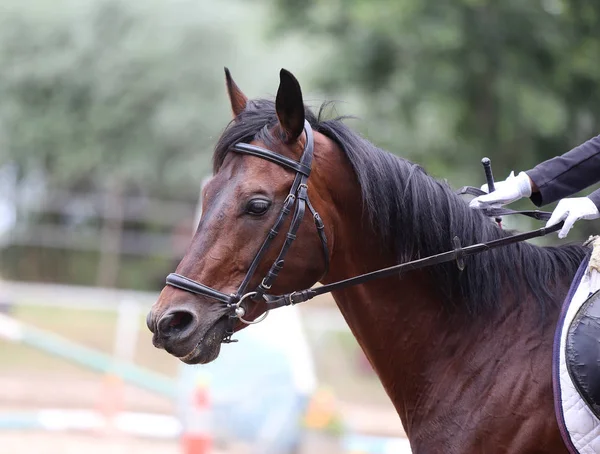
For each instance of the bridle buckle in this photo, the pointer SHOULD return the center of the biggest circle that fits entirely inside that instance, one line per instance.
(264, 285)
(290, 300)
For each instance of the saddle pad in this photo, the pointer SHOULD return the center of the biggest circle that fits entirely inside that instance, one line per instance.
(579, 426)
(583, 352)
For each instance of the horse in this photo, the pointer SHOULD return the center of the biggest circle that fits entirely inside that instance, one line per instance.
(464, 354)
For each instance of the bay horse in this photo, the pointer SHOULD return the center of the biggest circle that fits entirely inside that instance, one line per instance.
(464, 355)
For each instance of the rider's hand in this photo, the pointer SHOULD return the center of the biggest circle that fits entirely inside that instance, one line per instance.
(513, 188)
(571, 210)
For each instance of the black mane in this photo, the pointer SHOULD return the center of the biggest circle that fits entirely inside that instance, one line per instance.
(418, 216)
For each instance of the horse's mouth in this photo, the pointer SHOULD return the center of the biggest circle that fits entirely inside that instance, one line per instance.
(209, 346)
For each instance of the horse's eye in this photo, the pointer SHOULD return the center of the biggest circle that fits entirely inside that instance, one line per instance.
(258, 207)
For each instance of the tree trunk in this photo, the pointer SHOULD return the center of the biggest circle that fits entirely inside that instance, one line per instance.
(111, 236)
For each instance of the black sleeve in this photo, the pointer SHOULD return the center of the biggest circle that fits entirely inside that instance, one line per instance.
(565, 175)
(595, 197)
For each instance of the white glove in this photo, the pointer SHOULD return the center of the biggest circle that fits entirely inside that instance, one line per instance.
(572, 210)
(513, 188)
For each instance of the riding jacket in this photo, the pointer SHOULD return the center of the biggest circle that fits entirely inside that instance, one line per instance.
(568, 174)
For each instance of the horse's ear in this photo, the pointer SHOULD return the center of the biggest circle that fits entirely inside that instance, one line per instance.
(289, 106)
(237, 98)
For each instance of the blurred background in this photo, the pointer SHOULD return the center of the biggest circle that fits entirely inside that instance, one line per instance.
(109, 111)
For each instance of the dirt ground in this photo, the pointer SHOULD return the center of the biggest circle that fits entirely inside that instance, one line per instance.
(58, 390)
(73, 443)
(26, 442)
(27, 393)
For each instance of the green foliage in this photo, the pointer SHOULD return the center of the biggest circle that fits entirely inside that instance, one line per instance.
(448, 82)
(126, 96)
(87, 97)
(94, 91)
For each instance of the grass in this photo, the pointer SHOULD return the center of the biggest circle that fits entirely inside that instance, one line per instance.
(91, 328)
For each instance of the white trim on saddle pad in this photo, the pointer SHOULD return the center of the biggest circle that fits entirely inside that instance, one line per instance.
(579, 427)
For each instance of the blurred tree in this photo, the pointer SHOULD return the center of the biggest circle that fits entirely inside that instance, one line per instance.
(86, 95)
(90, 100)
(447, 82)
(123, 97)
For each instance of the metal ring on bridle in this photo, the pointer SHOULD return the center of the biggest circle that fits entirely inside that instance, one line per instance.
(240, 311)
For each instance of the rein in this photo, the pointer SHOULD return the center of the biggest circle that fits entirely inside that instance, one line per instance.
(298, 199)
(458, 253)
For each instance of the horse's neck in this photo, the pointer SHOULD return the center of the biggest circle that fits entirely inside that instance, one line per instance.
(392, 318)
(411, 342)
(456, 383)
(398, 323)
(425, 359)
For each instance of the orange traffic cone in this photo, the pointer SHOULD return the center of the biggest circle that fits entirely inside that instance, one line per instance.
(111, 403)
(197, 433)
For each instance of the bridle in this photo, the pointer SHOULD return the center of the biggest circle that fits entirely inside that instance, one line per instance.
(298, 198)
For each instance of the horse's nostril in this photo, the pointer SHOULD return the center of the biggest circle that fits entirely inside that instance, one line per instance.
(175, 322)
(150, 322)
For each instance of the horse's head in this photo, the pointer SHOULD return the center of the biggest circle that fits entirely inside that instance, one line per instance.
(247, 198)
